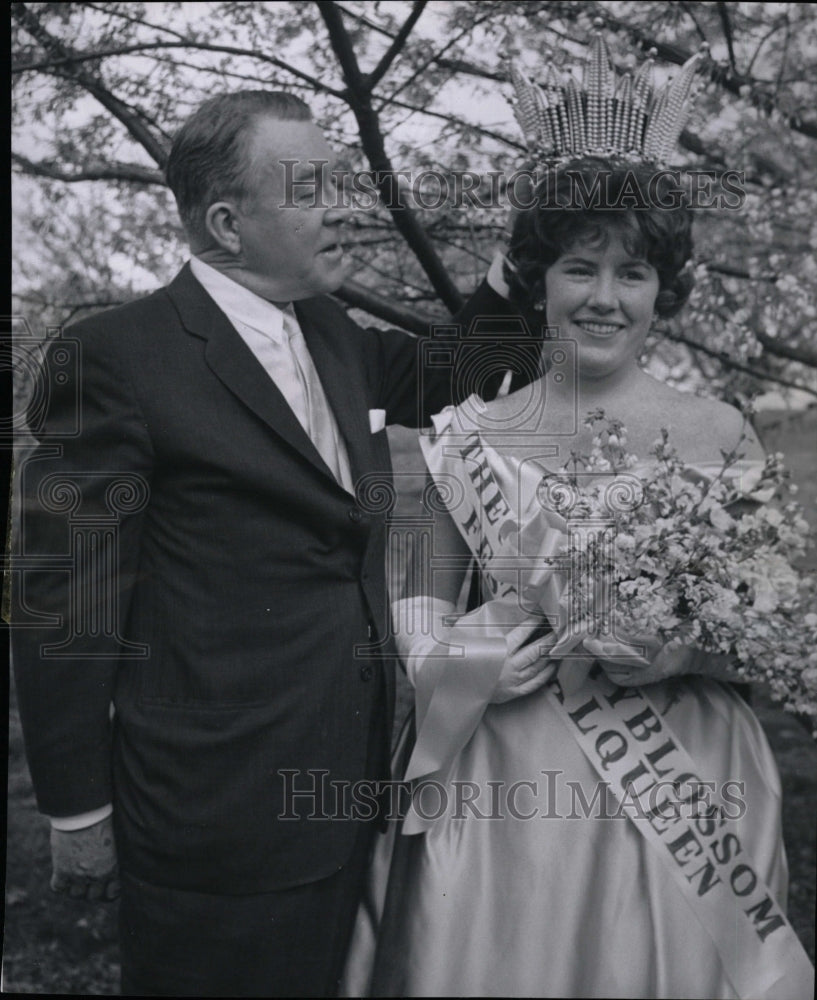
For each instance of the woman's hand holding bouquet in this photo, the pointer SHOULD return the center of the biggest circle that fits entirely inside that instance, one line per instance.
(690, 573)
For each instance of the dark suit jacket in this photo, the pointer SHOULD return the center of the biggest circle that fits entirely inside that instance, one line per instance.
(222, 580)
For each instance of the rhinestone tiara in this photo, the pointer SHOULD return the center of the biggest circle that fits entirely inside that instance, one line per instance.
(625, 119)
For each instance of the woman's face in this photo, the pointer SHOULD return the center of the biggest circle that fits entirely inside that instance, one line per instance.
(602, 297)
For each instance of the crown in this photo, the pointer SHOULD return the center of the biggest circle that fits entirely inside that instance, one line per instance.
(626, 119)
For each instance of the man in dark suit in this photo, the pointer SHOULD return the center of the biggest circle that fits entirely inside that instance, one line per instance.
(190, 519)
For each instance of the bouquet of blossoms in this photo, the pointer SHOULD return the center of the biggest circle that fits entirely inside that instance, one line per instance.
(691, 557)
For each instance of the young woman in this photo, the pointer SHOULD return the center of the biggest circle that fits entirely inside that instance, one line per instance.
(512, 874)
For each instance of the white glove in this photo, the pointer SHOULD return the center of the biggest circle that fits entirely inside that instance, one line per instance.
(429, 635)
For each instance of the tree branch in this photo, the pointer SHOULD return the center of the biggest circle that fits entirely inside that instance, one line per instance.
(68, 59)
(727, 78)
(773, 346)
(396, 46)
(782, 22)
(267, 80)
(142, 22)
(371, 137)
(731, 81)
(128, 116)
(131, 172)
(723, 11)
(764, 376)
(687, 139)
(477, 129)
(457, 65)
(437, 57)
(734, 272)
(361, 297)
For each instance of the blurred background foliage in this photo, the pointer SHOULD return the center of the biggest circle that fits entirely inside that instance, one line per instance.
(100, 88)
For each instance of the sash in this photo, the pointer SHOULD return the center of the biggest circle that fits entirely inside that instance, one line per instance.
(692, 830)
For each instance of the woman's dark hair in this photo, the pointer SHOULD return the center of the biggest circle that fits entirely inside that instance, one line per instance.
(578, 202)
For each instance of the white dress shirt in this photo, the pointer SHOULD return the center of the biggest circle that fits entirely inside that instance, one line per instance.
(275, 338)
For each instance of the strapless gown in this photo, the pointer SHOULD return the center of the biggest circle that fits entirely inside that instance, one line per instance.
(566, 903)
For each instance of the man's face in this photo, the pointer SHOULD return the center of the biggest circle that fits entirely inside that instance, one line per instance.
(290, 231)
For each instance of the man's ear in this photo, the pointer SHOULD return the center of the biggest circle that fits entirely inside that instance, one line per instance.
(221, 222)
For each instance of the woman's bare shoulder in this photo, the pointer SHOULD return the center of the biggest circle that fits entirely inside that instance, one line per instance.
(702, 427)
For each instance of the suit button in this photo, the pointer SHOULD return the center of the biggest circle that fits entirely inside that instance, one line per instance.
(366, 673)
(355, 515)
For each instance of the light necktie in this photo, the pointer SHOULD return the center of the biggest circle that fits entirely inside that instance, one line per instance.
(321, 424)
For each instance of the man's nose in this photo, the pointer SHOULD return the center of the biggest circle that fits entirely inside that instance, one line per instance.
(336, 200)
(337, 211)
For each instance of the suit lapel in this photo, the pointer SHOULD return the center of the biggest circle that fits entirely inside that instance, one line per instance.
(232, 361)
(341, 373)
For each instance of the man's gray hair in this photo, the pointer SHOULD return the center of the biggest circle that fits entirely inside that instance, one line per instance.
(209, 159)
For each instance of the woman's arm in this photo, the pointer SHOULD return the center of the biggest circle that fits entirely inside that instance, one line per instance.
(658, 661)
(430, 631)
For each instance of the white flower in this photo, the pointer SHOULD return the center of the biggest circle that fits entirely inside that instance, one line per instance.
(731, 572)
(719, 518)
(772, 516)
(765, 599)
(722, 607)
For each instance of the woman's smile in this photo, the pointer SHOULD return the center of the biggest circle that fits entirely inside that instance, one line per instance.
(598, 329)
(602, 296)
